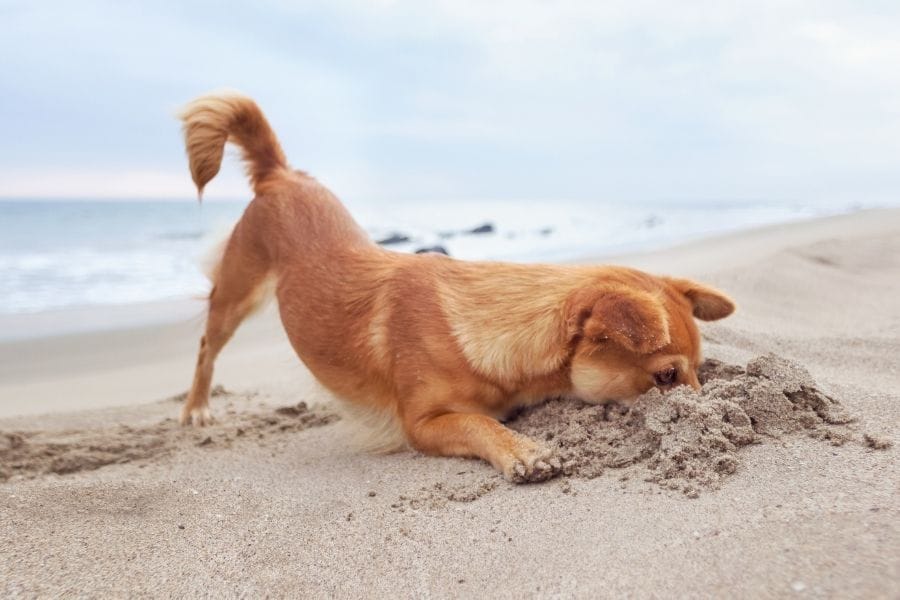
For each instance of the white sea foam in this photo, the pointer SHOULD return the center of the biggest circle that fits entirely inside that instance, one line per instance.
(559, 231)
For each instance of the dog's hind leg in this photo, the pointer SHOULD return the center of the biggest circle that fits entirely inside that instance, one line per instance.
(239, 286)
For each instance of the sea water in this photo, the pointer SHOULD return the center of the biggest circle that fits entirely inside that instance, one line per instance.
(56, 254)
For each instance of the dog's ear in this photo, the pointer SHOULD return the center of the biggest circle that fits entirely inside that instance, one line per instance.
(708, 304)
(633, 319)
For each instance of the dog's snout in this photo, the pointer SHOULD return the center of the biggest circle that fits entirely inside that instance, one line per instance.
(693, 381)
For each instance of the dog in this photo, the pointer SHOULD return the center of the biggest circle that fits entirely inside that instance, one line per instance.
(441, 348)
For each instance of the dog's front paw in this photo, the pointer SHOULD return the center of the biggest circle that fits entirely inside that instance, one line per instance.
(531, 464)
(198, 417)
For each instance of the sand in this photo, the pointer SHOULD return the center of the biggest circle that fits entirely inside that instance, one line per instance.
(688, 441)
(28, 454)
(779, 479)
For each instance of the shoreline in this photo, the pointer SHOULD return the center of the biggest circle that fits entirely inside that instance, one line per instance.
(154, 255)
(95, 318)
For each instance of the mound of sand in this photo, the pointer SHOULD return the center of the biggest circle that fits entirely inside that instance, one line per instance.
(686, 440)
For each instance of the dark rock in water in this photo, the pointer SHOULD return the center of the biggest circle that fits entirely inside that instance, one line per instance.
(652, 221)
(394, 238)
(486, 228)
(435, 249)
(546, 231)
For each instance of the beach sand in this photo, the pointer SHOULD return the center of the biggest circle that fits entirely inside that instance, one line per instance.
(102, 494)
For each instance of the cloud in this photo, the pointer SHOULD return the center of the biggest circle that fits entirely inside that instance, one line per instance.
(402, 100)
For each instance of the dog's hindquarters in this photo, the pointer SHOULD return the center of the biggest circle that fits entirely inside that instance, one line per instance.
(242, 277)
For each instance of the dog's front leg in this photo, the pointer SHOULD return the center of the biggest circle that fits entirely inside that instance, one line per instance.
(519, 458)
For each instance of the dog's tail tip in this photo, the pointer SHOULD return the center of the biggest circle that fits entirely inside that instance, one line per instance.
(213, 119)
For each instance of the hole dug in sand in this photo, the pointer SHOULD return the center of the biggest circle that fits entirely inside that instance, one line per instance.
(26, 454)
(685, 440)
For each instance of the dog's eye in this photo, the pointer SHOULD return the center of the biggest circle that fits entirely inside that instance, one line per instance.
(666, 376)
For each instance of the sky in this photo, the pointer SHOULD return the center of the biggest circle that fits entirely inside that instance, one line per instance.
(635, 101)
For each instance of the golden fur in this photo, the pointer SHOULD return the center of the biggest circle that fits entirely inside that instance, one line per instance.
(437, 348)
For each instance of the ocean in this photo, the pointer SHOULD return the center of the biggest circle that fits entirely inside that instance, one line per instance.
(57, 254)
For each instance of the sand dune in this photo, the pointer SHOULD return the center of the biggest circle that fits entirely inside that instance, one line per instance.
(782, 479)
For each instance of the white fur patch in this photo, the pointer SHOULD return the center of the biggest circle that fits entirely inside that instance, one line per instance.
(378, 332)
(369, 429)
(212, 256)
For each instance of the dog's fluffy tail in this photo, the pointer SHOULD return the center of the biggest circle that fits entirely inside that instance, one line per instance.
(210, 121)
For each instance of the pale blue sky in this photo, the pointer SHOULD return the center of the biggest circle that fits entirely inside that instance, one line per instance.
(634, 101)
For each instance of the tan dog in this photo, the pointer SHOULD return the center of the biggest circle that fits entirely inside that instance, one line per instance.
(443, 348)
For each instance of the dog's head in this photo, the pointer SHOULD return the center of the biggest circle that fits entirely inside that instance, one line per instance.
(633, 331)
